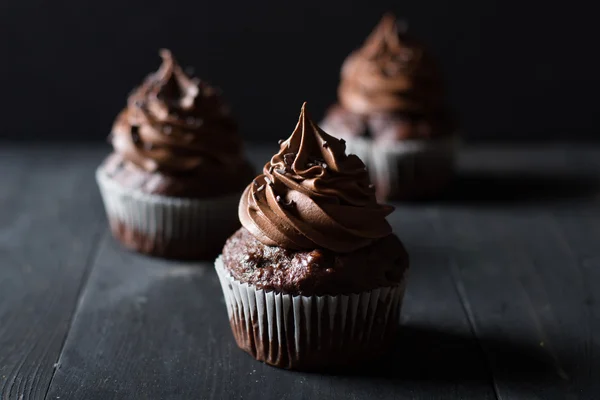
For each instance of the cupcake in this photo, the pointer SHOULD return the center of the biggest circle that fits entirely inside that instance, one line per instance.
(172, 184)
(315, 277)
(391, 112)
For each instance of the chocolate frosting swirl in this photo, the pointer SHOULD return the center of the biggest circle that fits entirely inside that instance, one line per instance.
(177, 125)
(312, 195)
(391, 73)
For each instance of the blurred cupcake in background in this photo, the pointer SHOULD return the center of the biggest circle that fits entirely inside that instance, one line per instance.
(315, 277)
(172, 184)
(391, 112)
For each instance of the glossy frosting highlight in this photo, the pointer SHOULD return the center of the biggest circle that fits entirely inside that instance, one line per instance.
(391, 73)
(312, 195)
(177, 124)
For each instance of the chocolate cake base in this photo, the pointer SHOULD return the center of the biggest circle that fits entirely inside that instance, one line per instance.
(421, 177)
(318, 272)
(333, 350)
(408, 170)
(156, 245)
(168, 227)
(311, 332)
(214, 181)
(408, 157)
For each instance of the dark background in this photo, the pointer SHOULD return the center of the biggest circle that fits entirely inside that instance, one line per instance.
(515, 70)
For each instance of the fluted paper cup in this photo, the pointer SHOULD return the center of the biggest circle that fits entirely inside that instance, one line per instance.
(409, 168)
(310, 332)
(166, 226)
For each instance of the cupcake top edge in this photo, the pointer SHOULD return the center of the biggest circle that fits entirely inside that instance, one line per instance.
(313, 195)
(314, 272)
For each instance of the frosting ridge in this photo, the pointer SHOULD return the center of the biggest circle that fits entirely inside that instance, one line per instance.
(391, 73)
(312, 195)
(177, 124)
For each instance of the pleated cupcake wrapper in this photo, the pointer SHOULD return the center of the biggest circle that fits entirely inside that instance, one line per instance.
(395, 164)
(293, 330)
(168, 218)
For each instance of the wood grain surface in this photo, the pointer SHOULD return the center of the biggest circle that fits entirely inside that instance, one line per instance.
(501, 301)
(50, 220)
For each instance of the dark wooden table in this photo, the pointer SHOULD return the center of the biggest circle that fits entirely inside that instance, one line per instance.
(502, 302)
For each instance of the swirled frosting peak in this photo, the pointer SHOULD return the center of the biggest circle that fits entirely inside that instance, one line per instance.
(177, 124)
(312, 195)
(391, 73)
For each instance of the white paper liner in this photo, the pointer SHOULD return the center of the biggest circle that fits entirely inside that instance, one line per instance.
(292, 330)
(169, 219)
(395, 164)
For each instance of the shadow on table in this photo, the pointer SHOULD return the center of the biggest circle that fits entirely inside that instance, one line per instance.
(425, 354)
(518, 187)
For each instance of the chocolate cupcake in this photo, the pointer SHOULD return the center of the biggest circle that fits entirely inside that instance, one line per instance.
(172, 185)
(315, 277)
(391, 112)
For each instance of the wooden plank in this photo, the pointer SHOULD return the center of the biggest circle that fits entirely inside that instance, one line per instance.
(50, 217)
(579, 233)
(526, 299)
(148, 328)
(443, 352)
(524, 264)
(517, 176)
(519, 269)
